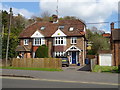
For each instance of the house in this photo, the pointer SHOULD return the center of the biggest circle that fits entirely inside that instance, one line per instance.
(115, 44)
(64, 38)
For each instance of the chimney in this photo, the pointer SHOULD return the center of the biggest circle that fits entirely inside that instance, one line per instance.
(112, 25)
(55, 18)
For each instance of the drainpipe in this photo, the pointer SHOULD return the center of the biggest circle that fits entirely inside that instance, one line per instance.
(83, 52)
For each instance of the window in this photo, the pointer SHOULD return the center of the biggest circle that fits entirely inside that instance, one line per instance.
(59, 54)
(42, 28)
(61, 27)
(38, 41)
(60, 41)
(26, 41)
(71, 28)
(73, 40)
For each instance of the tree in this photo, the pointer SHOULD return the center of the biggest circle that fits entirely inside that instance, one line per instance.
(99, 42)
(18, 24)
(45, 16)
(42, 52)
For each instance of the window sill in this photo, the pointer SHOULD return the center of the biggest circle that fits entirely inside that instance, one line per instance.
(74, 43)
(59, 45)
(36, 45)
(25, 45)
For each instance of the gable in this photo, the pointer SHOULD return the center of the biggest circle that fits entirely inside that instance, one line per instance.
(58, 33)
(37, 34)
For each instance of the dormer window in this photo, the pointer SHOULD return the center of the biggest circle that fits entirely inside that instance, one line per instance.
(42, 28)
(71, 28)
(61, 27)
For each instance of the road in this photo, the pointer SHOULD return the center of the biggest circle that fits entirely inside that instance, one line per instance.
(17, 82)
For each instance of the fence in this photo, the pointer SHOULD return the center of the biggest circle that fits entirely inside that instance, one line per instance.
(93, 62)
(38, 63)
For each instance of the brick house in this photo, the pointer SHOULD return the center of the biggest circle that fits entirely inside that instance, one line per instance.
(64, 38)
(115, 44)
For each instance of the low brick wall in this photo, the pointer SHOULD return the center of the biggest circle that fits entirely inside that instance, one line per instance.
(38, 62)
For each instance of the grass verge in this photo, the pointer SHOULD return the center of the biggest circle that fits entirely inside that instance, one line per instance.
(27, 68)
(110, 69)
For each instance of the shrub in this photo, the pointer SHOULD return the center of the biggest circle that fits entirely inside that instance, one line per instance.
(42, 52)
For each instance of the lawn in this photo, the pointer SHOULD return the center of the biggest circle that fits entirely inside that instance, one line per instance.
(110, 69)
(27, 68)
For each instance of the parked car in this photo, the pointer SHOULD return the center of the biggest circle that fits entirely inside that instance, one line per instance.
(65, 62)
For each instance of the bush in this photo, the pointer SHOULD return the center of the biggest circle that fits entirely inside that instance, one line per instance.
(42, 52)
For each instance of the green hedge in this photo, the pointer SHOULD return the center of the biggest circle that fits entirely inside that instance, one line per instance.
(112, 69)
(42, 52)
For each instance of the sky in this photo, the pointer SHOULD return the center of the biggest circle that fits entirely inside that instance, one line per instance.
(90, 11)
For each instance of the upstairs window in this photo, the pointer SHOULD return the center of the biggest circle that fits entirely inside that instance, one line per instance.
(61, 27)
(42, 28)
(71, 28)
(60, 41)
(26, 41)
(73, 40)
(38, 41)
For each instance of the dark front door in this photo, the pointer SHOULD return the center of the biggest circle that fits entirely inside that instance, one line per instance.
(73, 57)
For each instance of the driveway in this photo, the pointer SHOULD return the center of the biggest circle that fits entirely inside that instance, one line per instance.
(77, 68)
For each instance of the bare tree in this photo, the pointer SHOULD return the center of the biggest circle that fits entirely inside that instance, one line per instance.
(45, 16)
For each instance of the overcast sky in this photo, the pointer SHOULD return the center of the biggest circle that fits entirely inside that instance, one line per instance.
(90, 11)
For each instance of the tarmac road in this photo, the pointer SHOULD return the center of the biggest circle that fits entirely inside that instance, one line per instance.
(17, 82)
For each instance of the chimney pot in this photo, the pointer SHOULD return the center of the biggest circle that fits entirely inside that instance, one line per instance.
(55, 18)
(112, 25)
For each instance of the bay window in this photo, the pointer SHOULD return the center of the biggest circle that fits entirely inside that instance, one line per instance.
(59, 54)
(38, 41)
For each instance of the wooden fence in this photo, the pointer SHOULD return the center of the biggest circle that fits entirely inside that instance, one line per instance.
(55, 63)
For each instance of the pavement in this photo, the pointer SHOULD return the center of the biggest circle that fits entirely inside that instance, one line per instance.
(72, 73)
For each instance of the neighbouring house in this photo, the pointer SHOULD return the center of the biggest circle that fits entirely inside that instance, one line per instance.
(106, 35)
(115, 44)
(64, 38)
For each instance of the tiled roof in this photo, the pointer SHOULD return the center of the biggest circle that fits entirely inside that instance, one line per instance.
(51, 28)
(106, 35)
(22, 48)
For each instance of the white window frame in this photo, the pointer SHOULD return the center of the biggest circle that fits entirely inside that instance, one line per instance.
(73, 39)
(26, 41)
(38, 41)
(59, 54)
(58, 41)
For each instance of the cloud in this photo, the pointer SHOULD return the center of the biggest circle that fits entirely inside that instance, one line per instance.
(88, 10)
(17, 11)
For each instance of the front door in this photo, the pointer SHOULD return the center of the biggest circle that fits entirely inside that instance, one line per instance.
(73, 57)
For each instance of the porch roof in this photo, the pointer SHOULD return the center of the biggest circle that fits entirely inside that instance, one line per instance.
(22, 48)
(73, 48)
